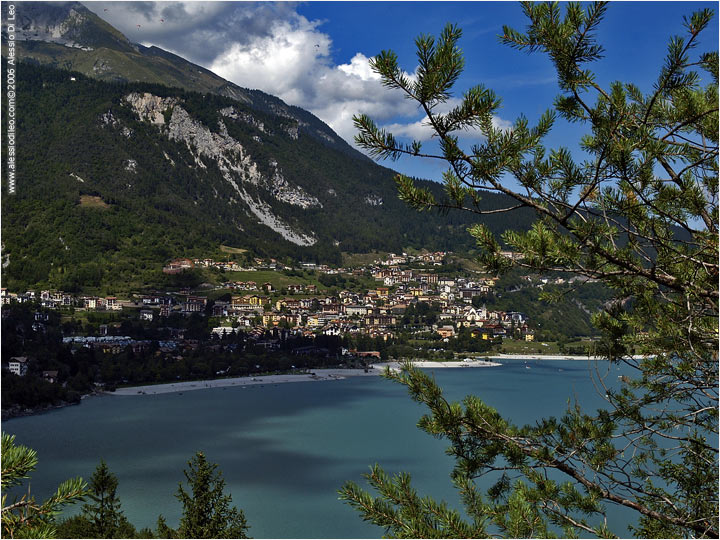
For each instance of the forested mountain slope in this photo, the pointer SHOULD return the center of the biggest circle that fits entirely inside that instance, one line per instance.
(69, 36)
(116, 178)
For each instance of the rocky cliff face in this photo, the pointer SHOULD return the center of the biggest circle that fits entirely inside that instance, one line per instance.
(67, 34)
(52, 25)
(236, 165)
(69, 24)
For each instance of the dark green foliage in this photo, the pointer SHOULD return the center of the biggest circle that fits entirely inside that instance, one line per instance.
(57, 236)
(206, 509)
(641, 217)
(556, 311)
(81, 368)
(23, 516)
(421, 313)
(103, 512)
(77, 526)
(101, 517)
(30, 392)
(45, 352)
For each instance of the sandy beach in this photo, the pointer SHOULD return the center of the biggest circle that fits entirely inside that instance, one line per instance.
(315, 375)
(186, 386)
(332, 374)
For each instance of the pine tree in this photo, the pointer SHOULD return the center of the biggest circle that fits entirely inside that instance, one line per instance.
(206, 509)
(103, 513)
(25, 517)
(641, 216)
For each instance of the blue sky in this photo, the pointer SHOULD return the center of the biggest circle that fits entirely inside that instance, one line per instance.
(314, 54)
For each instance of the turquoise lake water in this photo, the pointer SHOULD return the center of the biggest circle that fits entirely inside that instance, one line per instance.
(286, 449)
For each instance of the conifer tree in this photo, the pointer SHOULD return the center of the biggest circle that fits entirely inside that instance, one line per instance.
(103, 513)
(640, 214)
(24, 517)
(206, 509)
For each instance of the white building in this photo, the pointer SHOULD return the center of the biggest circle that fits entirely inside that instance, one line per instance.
(18, 365)
(227, 330)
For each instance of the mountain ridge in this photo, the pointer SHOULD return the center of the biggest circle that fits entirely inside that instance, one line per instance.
(116, 177)
(70, 36)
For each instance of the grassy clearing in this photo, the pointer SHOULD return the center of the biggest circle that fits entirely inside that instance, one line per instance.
(468, 263)
(234, 250)
(92, 201)
(531, 347)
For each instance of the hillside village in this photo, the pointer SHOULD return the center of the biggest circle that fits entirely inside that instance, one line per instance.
(303, 308)
(411, 297)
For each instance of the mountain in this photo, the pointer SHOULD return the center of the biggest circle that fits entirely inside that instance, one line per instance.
(115, 177)
(67, 35)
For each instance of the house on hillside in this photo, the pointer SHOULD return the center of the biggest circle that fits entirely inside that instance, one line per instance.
(446, 331)
(380, 320)
(474, 315)
(468, 293)
(178, 265)
(383, 292)
(351, 310)
(431, 279)
(194, 304)
(221, 331)
(240, 302)
(18, 365)
(494, 331)
(514, 316)
(366, 354)
(50, 376)
(221, 309)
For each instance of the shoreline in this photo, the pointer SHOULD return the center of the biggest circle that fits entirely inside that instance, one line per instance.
(241, 382)
(327, 374)
(572, 357)
(18, 411)
(315, 375)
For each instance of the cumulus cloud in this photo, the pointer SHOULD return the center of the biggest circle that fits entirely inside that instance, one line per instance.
(421, 130)
(293, 62)
(359, 67)
(198, 31)
(270, 47)
(284, 59)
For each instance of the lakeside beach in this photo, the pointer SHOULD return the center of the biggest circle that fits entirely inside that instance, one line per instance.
(186, 386)
(328, 374)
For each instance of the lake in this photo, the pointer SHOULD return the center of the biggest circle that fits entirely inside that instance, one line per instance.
(286, 449)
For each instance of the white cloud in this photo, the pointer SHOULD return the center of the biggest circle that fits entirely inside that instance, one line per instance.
(285, 60)
(270, 47)
(501, 123)
(419, 131)
(198, 31)
(359, 66)
(293, 63)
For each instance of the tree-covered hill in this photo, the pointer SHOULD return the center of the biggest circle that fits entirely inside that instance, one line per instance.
(107, 195)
